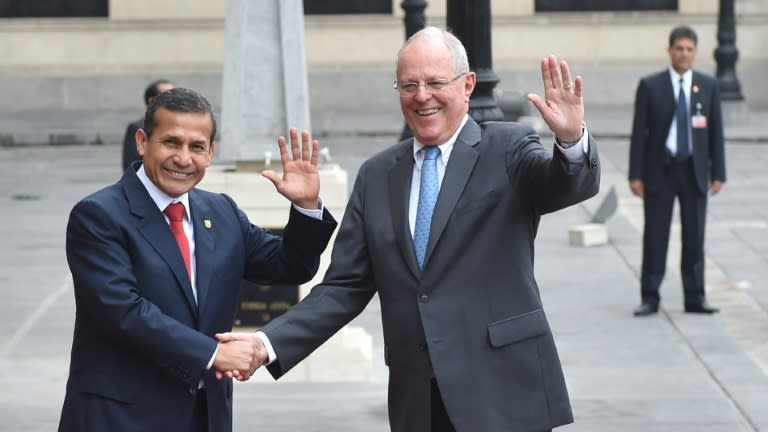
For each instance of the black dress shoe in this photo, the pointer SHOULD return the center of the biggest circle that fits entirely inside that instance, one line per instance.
(646, 309)
(701, 308)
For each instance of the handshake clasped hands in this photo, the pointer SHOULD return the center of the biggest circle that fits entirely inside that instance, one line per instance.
(239, 355)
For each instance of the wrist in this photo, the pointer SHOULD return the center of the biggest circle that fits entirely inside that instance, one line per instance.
(309, 205)
(568, 141)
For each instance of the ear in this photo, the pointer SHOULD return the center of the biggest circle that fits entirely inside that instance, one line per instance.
(141, 141)
(469, 83)
(211, 152)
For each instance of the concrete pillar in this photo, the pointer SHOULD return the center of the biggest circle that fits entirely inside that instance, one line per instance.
(265, 88)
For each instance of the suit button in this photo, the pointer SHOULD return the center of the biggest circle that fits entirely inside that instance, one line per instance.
(422, 347)
(424, 298)
(192, 391)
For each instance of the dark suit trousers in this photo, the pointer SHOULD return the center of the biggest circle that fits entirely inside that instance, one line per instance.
(200, 414)
(440, 420)
(680, 182)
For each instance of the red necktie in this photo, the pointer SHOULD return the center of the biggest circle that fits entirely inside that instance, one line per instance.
(175, 213)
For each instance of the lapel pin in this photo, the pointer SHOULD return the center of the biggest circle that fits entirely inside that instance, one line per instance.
(695, 88)
(207, 223)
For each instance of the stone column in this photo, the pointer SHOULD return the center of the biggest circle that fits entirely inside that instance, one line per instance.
(264, 81)
(264, 94)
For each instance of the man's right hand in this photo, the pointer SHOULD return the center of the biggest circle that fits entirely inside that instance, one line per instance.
(257, 355)
(637, 187)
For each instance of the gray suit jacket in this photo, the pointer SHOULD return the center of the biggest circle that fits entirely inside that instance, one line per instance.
(473, 318)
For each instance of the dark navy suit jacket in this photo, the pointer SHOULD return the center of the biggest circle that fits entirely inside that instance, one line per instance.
(141, 343)
(654, 109)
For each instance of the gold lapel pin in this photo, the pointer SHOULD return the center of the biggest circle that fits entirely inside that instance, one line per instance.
(207, 223)
(695, 88)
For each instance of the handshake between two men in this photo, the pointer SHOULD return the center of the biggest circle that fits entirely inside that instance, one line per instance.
(239, 355)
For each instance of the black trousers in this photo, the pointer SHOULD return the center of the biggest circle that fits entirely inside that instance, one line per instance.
(440, 420)
(680, 183)
(200, 413)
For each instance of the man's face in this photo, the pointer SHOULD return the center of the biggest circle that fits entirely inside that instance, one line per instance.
(433, 116)
(682, 53)
(178, 151)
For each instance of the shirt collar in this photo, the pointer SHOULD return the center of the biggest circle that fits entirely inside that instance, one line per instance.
(160, 198)
(445, 148)
(687, 77)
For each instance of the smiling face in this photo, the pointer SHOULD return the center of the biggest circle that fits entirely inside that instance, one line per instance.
(682, 53)
(178, 150)
(433, 116)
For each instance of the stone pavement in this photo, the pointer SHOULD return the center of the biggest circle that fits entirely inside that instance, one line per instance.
(669, 372)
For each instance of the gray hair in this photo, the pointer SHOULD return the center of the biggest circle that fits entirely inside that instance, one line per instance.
(458, 53)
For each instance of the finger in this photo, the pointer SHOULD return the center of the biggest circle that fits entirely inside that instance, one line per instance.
(566, 74)
(315, 151)
(273, 177)
(224, 337)
(538, 102)
(306, 153)
(554, 71)
(545, 75)
(283, 146)
(578, 86)
(295, 144)
(219, 375)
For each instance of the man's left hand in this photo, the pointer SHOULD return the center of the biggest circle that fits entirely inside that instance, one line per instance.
(562, 107)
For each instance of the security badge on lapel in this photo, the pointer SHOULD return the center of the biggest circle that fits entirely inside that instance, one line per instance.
(698, 121)
(207, 223)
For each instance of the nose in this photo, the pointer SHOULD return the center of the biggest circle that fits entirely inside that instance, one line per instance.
(182, 156)
(423, 93)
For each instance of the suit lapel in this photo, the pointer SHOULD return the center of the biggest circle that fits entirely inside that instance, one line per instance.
(155, 230)
(457, 173)
(399, 196)
(204, 247)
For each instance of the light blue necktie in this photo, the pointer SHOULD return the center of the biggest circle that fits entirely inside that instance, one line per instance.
(682, 125)
(428, 189)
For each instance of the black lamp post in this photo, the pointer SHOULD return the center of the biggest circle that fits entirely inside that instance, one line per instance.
(414, 16)
(414, 21)
(470, 21)
(726, 53)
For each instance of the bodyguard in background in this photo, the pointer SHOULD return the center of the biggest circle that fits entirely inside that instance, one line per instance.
(677, 150)
(130, 152)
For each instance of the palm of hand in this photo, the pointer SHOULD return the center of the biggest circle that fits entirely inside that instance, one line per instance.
(301, 181)
(563, 112)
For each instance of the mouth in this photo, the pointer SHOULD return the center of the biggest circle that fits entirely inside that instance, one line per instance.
(427, 112)
(178, 174)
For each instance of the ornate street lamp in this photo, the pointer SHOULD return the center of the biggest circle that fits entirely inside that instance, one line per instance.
(726, 53)
(470, 21)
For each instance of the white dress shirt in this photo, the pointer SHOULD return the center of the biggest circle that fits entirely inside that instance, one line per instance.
(687, 81)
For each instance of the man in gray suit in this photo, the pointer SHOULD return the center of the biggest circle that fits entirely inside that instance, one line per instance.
(466, 338)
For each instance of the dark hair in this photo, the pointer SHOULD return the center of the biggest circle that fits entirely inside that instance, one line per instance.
(179, 100)
(152, 90)
(683, 31)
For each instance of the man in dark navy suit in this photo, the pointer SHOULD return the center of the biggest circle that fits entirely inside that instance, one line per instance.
(677, 151)
(154, 285)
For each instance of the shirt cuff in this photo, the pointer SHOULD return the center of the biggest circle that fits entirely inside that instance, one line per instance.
(313, 213)
(213, 357)
(575, 153)
(270, 351)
